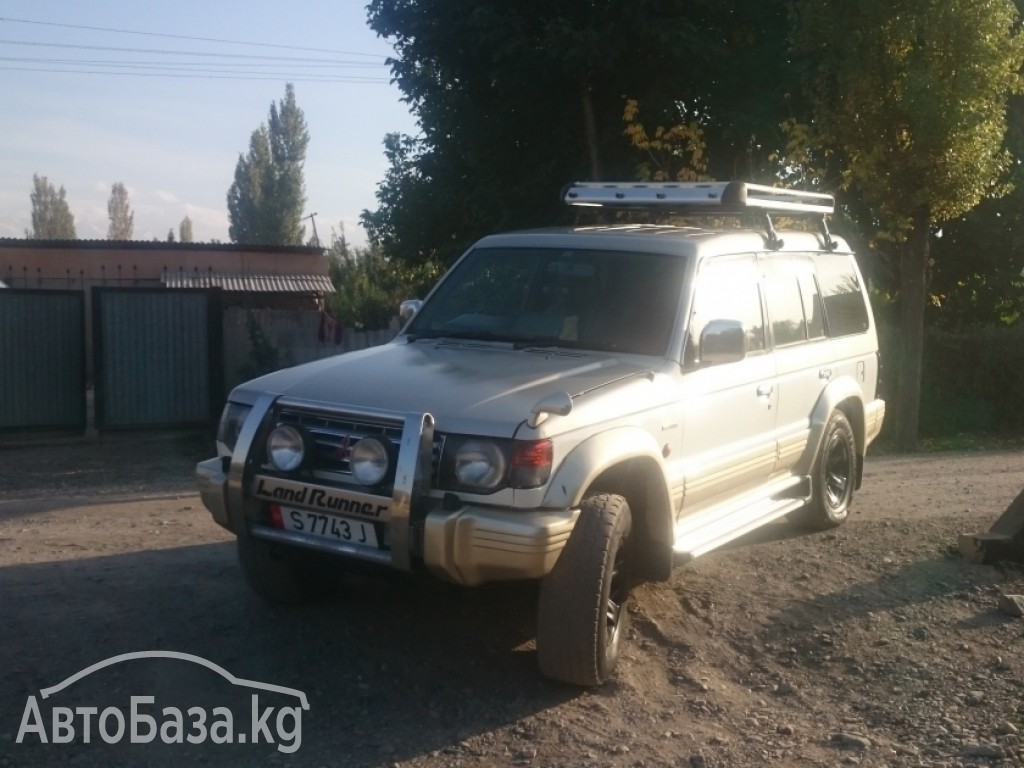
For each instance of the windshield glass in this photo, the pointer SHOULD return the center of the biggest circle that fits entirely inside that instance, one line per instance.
(588, 299)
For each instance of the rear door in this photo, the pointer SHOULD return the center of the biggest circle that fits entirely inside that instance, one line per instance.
(802, 353)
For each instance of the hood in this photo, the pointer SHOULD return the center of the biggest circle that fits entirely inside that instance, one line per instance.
(468, 387)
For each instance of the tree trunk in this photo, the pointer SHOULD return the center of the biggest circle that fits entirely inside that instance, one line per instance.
(914, 274)
(590, 134)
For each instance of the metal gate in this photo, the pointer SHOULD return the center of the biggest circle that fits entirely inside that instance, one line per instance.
(157, 356)
(42, 360)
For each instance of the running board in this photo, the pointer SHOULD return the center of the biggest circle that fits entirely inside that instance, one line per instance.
(704, 531)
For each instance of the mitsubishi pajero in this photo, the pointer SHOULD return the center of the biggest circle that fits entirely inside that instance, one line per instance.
(582, 406)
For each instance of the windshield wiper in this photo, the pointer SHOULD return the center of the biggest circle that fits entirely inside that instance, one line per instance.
(554, 341)
(464, 335)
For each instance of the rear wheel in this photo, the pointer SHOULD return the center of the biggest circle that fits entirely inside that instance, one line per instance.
(582, 613)
(277, 573)
(833, 476)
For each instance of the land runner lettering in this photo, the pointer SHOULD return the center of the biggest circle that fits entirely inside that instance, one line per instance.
(320, 498)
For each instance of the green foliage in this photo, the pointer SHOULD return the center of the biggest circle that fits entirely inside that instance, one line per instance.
(912, 105)
(185, 230)
(264, 357)
(515, 100)
(370, 286)
(122, 218)
(267, 197)
(913, 100)
(975, 376)
(51, 216)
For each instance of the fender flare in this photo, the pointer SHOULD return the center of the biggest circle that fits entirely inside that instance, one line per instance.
(603, 451)
(842, 390)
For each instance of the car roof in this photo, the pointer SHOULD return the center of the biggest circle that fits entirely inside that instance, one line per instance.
(661, 238)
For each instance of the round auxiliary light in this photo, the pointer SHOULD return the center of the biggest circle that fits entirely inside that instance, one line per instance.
(286, 448)
(479, 464)
(369, 461)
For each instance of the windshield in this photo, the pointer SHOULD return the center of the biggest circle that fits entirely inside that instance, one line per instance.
(588, 299)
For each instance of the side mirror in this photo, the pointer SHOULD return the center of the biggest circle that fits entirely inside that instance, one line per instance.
(408, 309)
(722, 341)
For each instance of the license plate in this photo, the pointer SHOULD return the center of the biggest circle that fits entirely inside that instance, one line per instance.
(329, 526)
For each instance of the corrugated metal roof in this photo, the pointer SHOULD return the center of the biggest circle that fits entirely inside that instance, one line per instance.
(249, 282)
(154, 245)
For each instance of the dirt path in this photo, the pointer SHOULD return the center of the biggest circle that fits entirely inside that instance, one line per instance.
(875, 644)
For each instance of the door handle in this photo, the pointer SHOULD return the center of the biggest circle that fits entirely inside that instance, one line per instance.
(765, 390)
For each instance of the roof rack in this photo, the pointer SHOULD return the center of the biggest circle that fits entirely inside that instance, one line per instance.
(713, 196)
(703, 197)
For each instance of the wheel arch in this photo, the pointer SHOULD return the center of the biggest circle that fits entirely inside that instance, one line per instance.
(843, 395)
(624, 461)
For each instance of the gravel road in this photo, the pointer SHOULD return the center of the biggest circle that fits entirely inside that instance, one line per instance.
(873, 645)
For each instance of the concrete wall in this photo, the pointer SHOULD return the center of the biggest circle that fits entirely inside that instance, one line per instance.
(292, 337)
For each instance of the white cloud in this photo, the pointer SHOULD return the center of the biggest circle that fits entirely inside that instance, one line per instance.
(165, 197)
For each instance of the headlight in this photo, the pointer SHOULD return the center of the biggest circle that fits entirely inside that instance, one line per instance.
(231, 421)
(369, 461)
(479, 465)
(286, 448)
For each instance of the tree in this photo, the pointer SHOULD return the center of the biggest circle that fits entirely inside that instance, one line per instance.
(268, 196)
(370, 286)
(185, 230)
(122, 218)
(51, 216)
(912, 98)
(515, 100)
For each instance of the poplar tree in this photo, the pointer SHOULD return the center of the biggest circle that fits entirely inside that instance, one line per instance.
(51, 216)
(268, 196)
(122, 218)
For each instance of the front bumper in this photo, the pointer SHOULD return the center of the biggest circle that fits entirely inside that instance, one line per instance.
(212, 479)
(471, 544)
(480, 544)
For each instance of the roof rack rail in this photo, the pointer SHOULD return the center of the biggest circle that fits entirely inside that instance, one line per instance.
(697, 196)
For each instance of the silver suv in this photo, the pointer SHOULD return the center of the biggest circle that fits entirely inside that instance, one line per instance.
(584, 406)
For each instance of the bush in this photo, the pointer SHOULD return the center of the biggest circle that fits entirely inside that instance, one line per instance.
(370, 286)
(973, 378)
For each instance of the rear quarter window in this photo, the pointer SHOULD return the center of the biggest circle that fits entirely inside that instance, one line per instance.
(841, 295)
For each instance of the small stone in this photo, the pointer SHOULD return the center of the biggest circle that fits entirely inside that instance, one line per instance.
(850, 741)
(785, 688)
(975, 698)
(990, 751)
(786, 729)
(1006, 728)
(1012, 605)
(698, 761)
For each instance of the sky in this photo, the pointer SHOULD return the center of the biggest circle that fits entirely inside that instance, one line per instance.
(163, 98)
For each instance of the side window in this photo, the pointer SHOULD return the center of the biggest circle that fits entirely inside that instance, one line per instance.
(785, 304)
(727, 289)
(812, 301)
(845, 311)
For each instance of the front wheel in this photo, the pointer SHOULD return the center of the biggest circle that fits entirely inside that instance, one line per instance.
(582, 612)
(833, 476)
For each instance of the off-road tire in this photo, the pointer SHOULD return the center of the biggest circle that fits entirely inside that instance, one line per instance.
(276, 573)
(833, 477)
(582, 611)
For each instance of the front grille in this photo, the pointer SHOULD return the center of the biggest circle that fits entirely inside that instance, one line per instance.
(334, 435)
